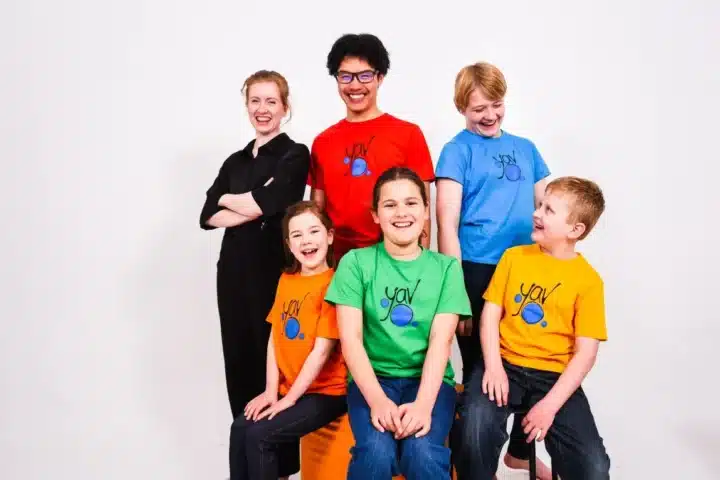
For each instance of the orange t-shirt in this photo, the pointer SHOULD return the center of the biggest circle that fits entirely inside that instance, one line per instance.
(299, 315)
(346, 160)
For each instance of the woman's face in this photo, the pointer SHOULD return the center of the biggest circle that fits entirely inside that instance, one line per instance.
(265, 107)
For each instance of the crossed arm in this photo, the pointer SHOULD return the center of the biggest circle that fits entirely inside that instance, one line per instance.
(224, 209)
(237, 209)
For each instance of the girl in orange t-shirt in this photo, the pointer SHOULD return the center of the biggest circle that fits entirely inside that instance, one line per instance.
(306, 374)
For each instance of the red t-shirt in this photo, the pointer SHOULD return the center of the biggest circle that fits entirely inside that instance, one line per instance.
(347, 159)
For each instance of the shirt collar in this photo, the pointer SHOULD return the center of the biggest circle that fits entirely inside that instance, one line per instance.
(277, 145)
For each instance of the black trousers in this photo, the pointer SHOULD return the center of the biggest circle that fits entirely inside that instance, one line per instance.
(248, 272)
(573, 441)
(477, 278)
(255, 447)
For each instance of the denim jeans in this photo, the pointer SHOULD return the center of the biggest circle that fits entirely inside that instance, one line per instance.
(573, 441)
(258, 448)
(378, 456)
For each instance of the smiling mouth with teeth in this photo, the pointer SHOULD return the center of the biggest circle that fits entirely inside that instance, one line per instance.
(402, 224)
(309, 251)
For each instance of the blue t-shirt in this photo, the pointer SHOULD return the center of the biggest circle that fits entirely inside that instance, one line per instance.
(498, 177)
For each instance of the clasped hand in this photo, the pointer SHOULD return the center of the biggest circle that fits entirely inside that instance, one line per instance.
(403, 421)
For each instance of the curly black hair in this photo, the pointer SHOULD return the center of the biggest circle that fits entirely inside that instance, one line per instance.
(363, 45)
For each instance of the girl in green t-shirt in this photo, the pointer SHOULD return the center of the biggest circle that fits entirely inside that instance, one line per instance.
(398, 305)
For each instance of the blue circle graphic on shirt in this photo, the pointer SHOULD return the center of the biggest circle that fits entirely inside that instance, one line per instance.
(292, 328)
(513, 173)
(384, 303)
(358, 166)
(401, 315)
(532, 313)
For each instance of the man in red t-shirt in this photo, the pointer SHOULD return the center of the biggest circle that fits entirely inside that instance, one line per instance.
(348, 157)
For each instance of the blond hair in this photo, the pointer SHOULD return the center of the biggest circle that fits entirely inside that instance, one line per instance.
(268, 76)
(586, 202)
(483, 76)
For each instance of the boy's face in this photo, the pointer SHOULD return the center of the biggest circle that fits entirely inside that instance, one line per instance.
(358, 84)
(550, 221)
(484, 116)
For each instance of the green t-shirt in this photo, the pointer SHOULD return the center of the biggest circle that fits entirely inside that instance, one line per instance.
(399, 300)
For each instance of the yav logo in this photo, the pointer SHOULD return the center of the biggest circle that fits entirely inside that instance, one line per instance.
(509, 167)
(290, 322)
(356, 158)
(531, 303)
(398, 302)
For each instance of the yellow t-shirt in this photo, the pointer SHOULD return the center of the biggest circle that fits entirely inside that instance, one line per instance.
(547, 303)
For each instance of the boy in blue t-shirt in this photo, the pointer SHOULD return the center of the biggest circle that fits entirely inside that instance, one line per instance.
(488, 184)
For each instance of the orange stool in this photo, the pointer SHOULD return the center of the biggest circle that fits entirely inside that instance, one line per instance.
(325, 453)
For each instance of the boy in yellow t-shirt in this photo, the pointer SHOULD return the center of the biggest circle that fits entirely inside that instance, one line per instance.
(543, 320)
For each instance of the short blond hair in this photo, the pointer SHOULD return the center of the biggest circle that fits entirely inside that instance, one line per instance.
(586, 201)
(483, 76)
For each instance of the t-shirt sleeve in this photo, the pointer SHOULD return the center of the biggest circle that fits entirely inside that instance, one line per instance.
(418, 155)
(453, 296)
(539, 166)
(452, 163)
(346, 287)
(590, 312)
(315, 174)
(495, 292)
(327, 323)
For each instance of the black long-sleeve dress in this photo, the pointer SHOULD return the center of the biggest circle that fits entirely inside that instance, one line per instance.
(252, 256)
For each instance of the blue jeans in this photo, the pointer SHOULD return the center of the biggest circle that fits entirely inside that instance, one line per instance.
(377, 455)
(573, 442)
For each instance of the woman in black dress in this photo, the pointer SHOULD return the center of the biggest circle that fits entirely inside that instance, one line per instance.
(248, 198)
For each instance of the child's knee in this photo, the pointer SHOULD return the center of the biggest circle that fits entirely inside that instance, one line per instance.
(376, 448)
(596, 463)
(480, 422)
(239, 426)
(418, 451)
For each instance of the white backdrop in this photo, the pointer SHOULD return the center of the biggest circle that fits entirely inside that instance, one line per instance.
(116, 116)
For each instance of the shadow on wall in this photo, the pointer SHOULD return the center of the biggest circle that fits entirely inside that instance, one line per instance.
(703, 441)
(171, 294)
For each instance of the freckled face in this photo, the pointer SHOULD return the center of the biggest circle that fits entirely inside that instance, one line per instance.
(484, 116)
